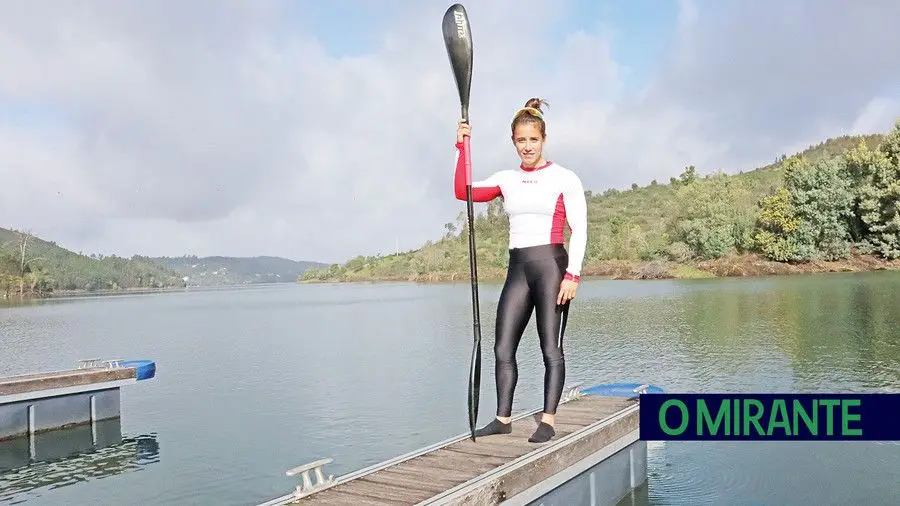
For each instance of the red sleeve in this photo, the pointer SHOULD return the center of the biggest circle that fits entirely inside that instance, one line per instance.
(482, 191)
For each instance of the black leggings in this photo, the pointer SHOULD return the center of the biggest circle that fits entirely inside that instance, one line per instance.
(532, 283)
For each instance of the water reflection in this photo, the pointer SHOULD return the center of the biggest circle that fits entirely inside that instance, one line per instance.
(798, 335)
(64, 457)
(836, 333)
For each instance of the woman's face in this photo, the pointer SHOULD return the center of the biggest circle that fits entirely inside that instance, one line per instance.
(529, 143)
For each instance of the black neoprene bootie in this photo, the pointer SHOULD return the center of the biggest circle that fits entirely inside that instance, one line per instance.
(495, 427)
(542, 434)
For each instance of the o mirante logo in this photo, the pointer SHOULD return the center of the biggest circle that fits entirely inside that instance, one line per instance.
(779, 417)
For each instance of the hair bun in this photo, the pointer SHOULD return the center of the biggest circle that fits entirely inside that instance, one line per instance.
(536, 103)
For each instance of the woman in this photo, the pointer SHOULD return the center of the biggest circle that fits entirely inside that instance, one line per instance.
(539, 197)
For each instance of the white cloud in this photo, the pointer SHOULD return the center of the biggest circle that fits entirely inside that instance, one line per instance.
(226, 128)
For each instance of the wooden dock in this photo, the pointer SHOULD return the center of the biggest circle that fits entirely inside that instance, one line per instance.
(34, 403)
(500, 469)
(26, 383)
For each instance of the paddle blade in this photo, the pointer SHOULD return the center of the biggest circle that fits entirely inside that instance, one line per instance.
(458, 41)
(474, 387)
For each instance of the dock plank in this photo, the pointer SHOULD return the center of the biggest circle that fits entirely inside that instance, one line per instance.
(564, 429)
(462, 465)
(59, 379)
(491, 450)
(396, 494)
(414, 480)
(346, 498)
(577, 419)
(445, 459)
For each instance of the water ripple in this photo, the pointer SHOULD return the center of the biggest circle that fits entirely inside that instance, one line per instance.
(30, 478)
(252, 382)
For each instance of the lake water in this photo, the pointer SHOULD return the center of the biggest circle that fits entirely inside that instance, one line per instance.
(253, 381)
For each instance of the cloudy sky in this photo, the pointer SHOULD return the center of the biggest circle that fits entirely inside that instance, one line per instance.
(323, 130)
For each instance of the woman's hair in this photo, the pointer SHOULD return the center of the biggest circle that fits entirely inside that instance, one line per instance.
(531, 113)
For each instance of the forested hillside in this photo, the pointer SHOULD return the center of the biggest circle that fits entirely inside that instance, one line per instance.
(834, 206)
(223, 271)
(33, 267)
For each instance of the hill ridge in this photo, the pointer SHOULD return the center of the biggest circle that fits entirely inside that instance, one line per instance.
(224, 270)
(31, 266)
(46, 268)
(696, 225)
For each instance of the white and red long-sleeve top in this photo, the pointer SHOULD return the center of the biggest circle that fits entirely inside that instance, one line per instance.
(539, 201)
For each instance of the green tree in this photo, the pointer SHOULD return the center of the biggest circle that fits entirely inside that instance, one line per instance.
(688, 176)
(710, 215)
(876, 177)
(775, 226)
(810, 217)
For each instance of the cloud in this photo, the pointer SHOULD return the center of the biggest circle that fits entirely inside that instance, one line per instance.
(768, 74)
(230, 128)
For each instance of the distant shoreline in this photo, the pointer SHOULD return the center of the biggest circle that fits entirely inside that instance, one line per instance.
(140, 291)
(732, 266)
(110, 291)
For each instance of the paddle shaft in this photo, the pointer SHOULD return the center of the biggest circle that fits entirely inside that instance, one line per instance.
(475, 367)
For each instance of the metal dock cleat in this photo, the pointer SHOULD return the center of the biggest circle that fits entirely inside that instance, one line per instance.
(572, 392)
(307, 487)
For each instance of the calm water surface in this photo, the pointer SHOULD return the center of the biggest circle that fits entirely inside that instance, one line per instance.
(251, 382)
